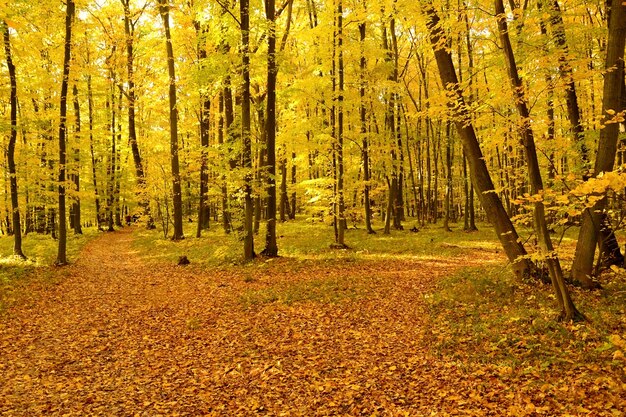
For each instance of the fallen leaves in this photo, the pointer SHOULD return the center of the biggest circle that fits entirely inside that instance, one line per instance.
(338, 338)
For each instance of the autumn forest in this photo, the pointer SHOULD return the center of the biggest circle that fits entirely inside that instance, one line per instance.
(213, 164)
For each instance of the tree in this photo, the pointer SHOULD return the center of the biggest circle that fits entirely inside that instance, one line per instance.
(248, 230)
(522, 266)
(67, 60)
(607, 144)
(129, 30)
(205, 126)
(164, 9)
(17, 225)
(363, 130)
(75, 210)
(568, 309)
(271, 247)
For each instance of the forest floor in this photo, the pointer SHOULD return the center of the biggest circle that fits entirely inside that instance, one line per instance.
(119, 333)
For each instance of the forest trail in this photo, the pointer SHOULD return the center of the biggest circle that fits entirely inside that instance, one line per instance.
(115, 335)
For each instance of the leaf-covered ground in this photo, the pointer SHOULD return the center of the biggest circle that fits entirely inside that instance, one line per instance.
(117, 334)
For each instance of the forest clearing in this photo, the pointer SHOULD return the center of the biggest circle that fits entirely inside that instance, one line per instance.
(313, 207)
(405, 325)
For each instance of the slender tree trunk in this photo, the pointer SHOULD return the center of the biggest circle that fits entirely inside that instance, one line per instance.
(568, 309)
(364, 138)
(565, 70)
(205, 125)
(446, 215)
(271, 247)
(284, 201)
(340, 128)
(17, 226)
(129, 29)
(480, 175)
(67, 59)
(248, 239)
(112, 163)
(292, 212)
(93, 155)
(76, 175)
(607, 144)
(164, 10)
(229, 118)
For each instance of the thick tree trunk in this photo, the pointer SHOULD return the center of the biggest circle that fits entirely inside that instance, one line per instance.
(67, 59)
(480, 175)
(607, 145)
(17, 226)
(173, 111)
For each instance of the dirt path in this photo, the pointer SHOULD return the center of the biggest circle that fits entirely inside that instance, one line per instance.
(116, 336)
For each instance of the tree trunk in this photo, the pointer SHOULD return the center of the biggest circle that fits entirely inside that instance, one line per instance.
(446, 215)
(205, 126)
(164, 10)
(271, 247)
(76, 220)
(340, 168)
(248, 238)
(67, 59)
(565, 70)
(129, 29)
(17, 226)
(504, 229)
(568, 309)
(292, 212)
(607, 144)
(364, 138)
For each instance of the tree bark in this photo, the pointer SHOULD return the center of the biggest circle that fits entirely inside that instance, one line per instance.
(76, 218)
(94, 176)
(271, 247)
(248, 238)
(568, 309)
(340, 168)
(17, 225)
(164, 8)
(205, 125)
(129, 29)
(509, 239)
(607, 145)
(67, 59)
(364, 138)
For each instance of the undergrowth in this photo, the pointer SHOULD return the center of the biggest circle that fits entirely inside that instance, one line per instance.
(483, 315)
(41, 251)
(305, 240)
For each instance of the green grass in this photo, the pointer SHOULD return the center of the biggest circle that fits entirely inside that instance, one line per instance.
(486, 310)
(41, 251)
(304, 240)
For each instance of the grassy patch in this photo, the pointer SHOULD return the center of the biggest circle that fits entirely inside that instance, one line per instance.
(311, 241)
(484, 316)
(41, 251)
